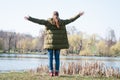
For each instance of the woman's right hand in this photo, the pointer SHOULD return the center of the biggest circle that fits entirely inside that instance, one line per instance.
(81, 13)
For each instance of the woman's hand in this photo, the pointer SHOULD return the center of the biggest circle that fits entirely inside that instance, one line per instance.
(81, 13)
(27, 17)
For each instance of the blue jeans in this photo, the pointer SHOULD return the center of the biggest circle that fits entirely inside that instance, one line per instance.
(56, 54)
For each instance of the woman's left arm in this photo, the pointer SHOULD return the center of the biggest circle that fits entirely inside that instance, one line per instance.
(35, 20)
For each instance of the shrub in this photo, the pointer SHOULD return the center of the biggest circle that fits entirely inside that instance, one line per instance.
(115, 49)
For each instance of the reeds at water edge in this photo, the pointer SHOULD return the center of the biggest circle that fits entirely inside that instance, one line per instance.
(94, 69)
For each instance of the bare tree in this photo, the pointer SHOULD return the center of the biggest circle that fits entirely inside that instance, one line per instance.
(41, 39)
(11, 37)
(76, 37)
(71, 30)
(110, 38)
(80, 46)
(1, 44)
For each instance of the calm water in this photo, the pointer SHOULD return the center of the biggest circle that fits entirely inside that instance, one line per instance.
(23, 62)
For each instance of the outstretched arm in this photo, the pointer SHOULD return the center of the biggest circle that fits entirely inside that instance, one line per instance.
(67, 21)
(39, 21)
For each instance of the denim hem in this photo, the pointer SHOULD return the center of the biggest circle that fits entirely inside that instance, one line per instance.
(51, 71)
(56, 70)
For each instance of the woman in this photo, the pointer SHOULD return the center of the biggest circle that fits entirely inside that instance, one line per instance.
(56, 37)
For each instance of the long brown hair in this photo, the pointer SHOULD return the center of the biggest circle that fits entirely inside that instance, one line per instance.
(56, 19)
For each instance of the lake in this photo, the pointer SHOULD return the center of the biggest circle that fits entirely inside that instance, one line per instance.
(24, 62)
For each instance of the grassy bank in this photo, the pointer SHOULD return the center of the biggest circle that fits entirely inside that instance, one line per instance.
(68, 71)
(38, 76)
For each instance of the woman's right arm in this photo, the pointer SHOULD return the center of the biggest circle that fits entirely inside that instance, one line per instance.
(39, 21)
(67, 21)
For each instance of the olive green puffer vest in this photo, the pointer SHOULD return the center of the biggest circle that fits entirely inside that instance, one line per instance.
(55, 38)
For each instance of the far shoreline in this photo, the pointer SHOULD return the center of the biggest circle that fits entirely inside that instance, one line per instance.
(70, 54)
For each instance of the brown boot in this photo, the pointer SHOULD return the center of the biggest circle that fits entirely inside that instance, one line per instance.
(51, 74)
(56, 73)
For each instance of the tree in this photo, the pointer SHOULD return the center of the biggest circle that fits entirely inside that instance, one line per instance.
(25, 45)
(102, 48)
(115, 49)
(41, 39)
(75, 42)
(89, 45)
(35, 44)
(110, 38)
(1, 44)
(71, 30)
(11, 40)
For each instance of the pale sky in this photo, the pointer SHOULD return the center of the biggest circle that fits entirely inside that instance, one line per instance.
(99, 15)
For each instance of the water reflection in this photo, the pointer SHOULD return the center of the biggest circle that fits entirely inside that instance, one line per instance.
(21, 62)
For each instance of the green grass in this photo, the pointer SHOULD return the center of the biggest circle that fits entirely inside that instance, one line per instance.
(37, 76)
